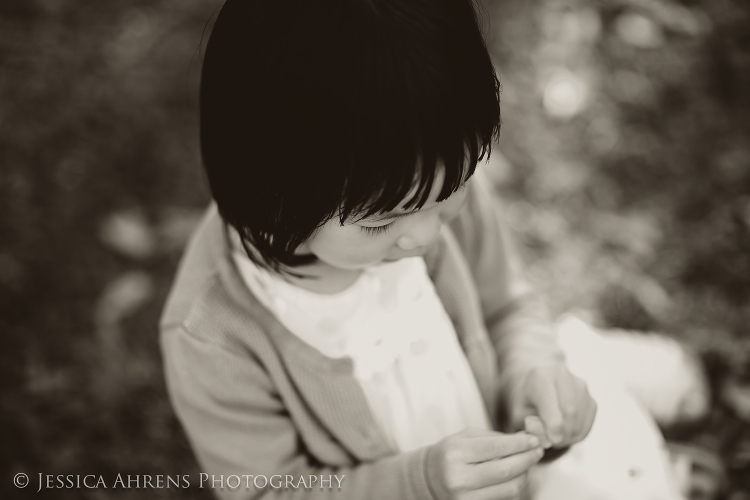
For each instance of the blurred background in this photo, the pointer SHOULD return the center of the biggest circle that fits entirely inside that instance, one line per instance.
(623, 167)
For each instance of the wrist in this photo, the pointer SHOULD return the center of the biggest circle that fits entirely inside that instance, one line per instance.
(432, 474)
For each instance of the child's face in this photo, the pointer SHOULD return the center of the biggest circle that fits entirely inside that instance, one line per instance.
(382, 238)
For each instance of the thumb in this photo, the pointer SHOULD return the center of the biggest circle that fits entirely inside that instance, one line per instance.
(544, 398)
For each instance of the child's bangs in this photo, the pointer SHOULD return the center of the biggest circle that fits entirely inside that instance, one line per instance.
(406, 181)
(421, 97)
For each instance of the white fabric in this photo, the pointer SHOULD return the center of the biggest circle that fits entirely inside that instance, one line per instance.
(404, 349)
(624, 456)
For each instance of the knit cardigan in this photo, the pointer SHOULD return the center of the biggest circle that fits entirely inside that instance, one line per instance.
(254, 399)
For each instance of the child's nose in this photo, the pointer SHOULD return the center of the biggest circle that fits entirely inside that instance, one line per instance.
(421, 234)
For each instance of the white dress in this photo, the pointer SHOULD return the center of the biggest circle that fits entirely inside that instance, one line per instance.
(404, 349)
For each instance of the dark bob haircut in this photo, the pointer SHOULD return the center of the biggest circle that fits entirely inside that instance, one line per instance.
(338, 108)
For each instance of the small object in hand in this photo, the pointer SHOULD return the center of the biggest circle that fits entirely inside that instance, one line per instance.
(534, 426)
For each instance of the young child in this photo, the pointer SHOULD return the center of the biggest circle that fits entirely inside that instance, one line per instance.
(351, 305)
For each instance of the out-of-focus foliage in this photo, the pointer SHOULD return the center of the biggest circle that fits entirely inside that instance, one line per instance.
(626, 132)
(626, 125)
(98, 163)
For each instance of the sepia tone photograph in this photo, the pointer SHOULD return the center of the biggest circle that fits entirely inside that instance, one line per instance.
(375, 249)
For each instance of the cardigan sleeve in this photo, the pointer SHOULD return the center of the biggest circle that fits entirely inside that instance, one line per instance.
(516, 318)
(238, 425)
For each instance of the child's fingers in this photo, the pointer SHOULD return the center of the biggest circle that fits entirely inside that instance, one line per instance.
(504, 469)
(548, 406)
(570, 391)
(509, 490)
(577, 406)
(481, 449)
(533, 425)
(589, 414)
(477, 432)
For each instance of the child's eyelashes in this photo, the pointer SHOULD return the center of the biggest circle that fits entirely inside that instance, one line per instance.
(377, 229)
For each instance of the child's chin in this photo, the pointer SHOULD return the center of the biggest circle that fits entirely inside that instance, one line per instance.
(405, 255)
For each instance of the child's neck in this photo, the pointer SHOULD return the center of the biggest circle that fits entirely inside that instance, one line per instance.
(324, 278)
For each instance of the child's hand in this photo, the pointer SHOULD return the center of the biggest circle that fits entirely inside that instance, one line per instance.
(478, 464)
(534, 426)
(560, 399)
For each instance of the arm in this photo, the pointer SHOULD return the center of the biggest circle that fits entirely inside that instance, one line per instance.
(515, 317)
(533, 378)
(237, 424)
